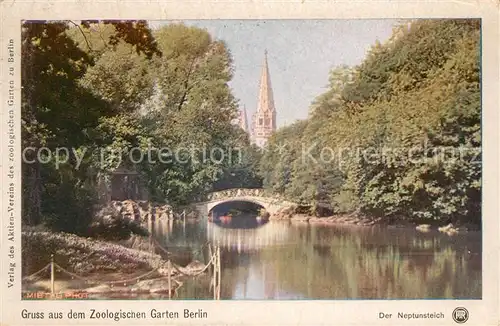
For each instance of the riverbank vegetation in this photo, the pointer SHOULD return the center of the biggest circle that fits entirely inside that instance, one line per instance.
(87, 256)
(109, 90)
(397, 137)
(99, 267)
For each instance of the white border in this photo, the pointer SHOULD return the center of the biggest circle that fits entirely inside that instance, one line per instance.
(482, 312)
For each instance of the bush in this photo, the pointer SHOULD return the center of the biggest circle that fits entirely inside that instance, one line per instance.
(68, 207)
(110, 225)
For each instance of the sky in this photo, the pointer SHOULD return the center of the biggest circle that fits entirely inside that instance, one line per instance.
(301, 54)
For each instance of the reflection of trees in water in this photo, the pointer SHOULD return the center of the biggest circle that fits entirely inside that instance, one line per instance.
(419, 249)
(364, 263)
(185, 241)
(176, 233)
(347, 262)
(245, 240)
(235, 271)
(322, 250)
(196, 288)
(233, 259)
(254, 277)
(241, 221)
(270, 276)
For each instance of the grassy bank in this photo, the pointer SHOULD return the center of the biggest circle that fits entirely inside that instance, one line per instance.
(83, 256)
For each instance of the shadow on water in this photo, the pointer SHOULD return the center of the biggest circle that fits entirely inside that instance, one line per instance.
(287, 261)
(241, 221)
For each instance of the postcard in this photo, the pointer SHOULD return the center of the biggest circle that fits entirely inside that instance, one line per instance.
(249, 163)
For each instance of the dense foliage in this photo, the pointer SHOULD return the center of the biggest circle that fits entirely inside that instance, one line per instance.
(398, 136)
(119, 95)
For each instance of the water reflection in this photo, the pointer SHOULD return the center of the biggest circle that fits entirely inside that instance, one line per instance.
(286, 261)
(241, 221)
(248, 239)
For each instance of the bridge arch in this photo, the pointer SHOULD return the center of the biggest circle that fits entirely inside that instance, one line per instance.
(272, 204)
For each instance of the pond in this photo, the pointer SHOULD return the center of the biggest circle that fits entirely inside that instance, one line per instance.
(282, 260)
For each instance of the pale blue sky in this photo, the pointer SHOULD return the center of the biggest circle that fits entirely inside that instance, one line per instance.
(300, 55)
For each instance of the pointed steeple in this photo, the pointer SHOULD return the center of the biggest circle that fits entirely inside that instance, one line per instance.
(266, 99)
(264, 119)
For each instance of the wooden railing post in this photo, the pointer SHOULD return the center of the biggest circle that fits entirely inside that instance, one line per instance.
(169, 271)
(214, 263)
(210, 255)
(151, 247)
(52, 275)
(184, 224)
(218, 272)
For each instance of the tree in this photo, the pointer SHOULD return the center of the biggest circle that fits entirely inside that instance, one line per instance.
(404, 126)
(59, 111)
(192, 113)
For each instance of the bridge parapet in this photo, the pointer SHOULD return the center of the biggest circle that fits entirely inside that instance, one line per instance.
(238, 192)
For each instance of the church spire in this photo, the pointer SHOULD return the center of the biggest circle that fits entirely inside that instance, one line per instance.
(264, 119)
(266, 99)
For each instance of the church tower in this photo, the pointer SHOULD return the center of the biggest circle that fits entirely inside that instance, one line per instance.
(264, 120)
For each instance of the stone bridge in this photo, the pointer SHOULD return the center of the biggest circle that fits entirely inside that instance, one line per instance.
(271, 204)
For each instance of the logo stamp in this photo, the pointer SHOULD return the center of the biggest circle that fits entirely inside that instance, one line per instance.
(460, 315)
